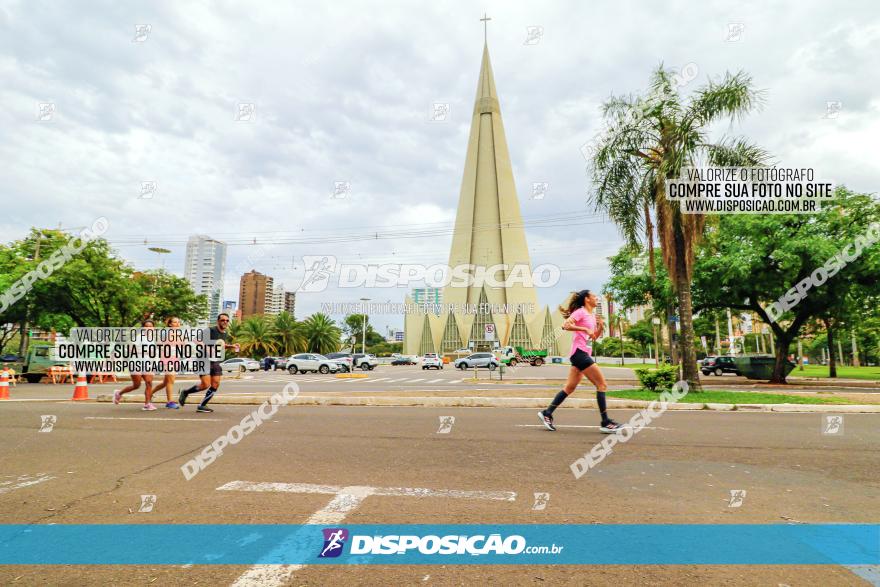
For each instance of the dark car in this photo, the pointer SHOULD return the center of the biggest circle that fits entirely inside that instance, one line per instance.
(403, 361)
(719, 366)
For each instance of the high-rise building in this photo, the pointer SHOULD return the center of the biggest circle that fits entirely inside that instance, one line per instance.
(488, 232)
(260, 295)
(290, 302)
(427, 295)
(255, 294)
(204, 269)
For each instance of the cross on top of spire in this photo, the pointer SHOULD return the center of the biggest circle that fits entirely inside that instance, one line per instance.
(485, 20)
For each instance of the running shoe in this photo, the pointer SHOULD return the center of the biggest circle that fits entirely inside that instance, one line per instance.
(181, 398)
(117, 397)
(204, 409)
(547, 421)
(610, 427)
(149, 407)
(172, 406)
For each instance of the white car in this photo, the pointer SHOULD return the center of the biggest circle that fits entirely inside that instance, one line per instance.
(305, 362)
(431, 361)
(240, 364)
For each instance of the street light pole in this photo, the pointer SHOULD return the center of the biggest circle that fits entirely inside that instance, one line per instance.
(364, 330)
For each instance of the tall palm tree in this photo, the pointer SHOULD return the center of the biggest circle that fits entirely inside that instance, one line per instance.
(321, 334)
(257, 337)
(647, 141)
(289, 334)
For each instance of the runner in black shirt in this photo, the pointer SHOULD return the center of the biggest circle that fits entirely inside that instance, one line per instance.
(210, 382)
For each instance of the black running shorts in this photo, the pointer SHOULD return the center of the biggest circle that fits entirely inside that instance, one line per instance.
(581, 360)
(216, 369)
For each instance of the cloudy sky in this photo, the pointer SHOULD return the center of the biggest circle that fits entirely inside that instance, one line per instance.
(343, 92)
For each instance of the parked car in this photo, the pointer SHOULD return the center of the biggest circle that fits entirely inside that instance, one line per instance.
(343, 359)
(305, 362)
(487, 360)
(274, 363)
(431, 361)
(719, 366)
(240, 364)
(361, 361)
(403, 361)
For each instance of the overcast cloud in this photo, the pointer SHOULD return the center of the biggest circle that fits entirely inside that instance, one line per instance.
(343, 92)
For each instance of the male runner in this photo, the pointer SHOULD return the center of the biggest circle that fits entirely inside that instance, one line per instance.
(211, 382)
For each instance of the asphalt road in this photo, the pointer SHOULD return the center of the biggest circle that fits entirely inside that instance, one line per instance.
(99, 459)
(414, 379)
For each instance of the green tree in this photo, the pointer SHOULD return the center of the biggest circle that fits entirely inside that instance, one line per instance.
(92, 288)
(289, 334)
(257, 337)
(321, 334)
(353, 329)
(750, 261)
(164, 294)
(647, 141)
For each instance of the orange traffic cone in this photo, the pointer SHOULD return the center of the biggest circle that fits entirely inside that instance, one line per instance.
(81, 391)
(4, 385)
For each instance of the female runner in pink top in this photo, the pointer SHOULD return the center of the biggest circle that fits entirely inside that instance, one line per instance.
(579, 318)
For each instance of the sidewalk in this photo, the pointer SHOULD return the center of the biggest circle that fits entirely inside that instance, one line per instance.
(446, 401)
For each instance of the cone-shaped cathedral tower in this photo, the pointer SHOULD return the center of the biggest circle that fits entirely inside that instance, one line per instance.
(488, 232)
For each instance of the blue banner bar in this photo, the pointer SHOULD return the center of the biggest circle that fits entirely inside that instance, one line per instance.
(638, 544)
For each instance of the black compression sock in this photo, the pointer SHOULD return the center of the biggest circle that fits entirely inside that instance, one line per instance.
(560, 397)
(192, 389)
(603, 410)
(208, 395)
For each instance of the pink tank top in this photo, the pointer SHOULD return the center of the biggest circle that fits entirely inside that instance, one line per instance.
(580, 340)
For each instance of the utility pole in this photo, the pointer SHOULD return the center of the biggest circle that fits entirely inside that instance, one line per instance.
(717, 336)
(364, 333)
(732, 348)
(24, 338)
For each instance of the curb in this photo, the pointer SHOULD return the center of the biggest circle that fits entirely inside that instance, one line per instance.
(518, 402)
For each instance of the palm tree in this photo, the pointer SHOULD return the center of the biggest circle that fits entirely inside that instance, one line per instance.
(648, 140)
(289, 334)
(257, 337)
(321, 334)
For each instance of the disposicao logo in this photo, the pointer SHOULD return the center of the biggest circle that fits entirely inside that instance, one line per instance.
(334, 541)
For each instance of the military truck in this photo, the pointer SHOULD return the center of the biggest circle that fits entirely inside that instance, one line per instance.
(35, 365)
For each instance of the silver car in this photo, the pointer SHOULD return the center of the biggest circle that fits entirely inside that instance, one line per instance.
(487, 360)
(305, 362)
(240, 364)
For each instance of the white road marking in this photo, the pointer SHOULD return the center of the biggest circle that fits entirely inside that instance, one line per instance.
(22, 481)
(380, 379)
(155, 419)
(583, 426)
(435, 380)
(415, 380)
(345, 500)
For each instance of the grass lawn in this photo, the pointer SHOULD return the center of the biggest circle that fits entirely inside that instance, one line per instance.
(866, 373)
(627, 366)
(733, 397)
